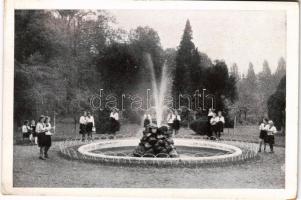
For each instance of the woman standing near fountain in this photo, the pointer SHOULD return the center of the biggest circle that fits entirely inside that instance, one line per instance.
(48, 134)
(263, 134)
(176, 122)
(114, 121)
(147, 119)
(90, 125)
(271, 130)
(82, 126)
(40, 129)
(170, 119)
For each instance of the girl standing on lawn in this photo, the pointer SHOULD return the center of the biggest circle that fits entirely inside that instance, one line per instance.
(90, 125)
(114, 121)
(48, 134)
(41, 130)
(213, 123)
(33, 132)
(176, 122)
(220, 124)
(209, 129)
(25, 130)
(147, 120)
(263, 134)
(83, 126)
(271, 130)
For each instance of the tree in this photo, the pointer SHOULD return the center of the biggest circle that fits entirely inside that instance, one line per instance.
(277, 104)
(265, 87)
(220, 84)
(248, 93)
(188, 72)
(143, 41)
(234, 72)
(281, 69)
(54, 67)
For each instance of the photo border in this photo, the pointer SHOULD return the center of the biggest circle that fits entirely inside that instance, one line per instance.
(292, 72)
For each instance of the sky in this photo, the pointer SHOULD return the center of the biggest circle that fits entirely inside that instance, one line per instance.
(235, 36)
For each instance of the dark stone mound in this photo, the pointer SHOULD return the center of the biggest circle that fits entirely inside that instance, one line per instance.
(156, 142)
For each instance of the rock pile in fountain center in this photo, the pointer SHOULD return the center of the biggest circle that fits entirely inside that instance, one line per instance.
(156, 142)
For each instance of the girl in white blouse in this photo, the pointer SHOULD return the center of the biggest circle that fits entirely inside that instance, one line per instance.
(41, 130)
(90, 125)
(263, 134)
(147, 119)
(114, 121)
(48, 135)
(271, 130)
(26, 130)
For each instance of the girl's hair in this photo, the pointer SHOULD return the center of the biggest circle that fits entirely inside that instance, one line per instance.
(25, 122)
(47, 118)
(41, 118)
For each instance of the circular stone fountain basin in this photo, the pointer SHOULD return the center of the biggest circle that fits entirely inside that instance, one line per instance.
(192, 152)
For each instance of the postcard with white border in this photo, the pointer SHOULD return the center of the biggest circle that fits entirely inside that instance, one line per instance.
(166, 99)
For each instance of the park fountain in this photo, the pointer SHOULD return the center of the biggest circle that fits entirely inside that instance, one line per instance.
(157, 146)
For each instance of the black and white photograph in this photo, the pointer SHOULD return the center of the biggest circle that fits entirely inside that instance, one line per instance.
(153, 98)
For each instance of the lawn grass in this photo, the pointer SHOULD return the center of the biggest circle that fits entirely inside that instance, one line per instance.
(28, 171)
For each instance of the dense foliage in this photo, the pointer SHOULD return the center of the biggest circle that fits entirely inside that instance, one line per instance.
(63, 57)
(277, 105)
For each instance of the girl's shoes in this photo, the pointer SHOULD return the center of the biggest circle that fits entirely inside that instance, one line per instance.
(41, 158)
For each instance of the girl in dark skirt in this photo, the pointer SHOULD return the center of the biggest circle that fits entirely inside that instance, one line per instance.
(90, 125)
(263, 134)
(83, 126)
(220, 124)
(33, 132)
(271, 130)
(25, 130)
(48, 134)
(214, 128)
(209, 129)
(40, 130)
(176, 122)
(114, 121)
(147, 120)
(170, 119)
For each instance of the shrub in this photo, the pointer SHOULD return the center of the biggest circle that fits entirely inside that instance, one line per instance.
(199, 126)
(102, 121)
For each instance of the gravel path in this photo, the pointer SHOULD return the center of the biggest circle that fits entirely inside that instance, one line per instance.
(29, 171)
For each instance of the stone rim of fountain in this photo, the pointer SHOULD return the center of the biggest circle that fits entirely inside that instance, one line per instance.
(86, 151)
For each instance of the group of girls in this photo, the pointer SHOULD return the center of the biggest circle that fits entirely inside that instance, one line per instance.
(44, 132)
(215, 125)
(39, 134)
(29, 131)
(86, 126)
(266, 135)
(173, 120)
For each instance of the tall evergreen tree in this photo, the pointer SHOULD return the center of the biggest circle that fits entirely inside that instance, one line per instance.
(265, 86)
(187, 76)
(281, 70)
(277, 105)
(234, 72)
